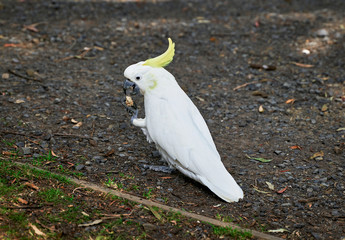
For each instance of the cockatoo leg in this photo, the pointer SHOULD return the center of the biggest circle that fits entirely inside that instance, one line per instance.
(138, 122)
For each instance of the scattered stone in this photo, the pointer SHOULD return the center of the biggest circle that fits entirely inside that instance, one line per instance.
(156, 154)
(44, 144)
(79, 167)
(88, 163)
(98, 159)
(322, 33)
(26, 150)
(57, 100)
(149, 227)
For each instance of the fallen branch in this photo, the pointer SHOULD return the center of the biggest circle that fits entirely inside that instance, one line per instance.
(150, 203)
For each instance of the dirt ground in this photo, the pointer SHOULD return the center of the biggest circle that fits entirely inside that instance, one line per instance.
(268, 77)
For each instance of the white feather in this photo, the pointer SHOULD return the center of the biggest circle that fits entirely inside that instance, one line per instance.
(180, 133)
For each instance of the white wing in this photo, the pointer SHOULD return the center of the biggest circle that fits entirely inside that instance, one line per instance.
(180, 132)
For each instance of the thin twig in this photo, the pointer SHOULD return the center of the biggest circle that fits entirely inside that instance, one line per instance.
(71, 135)
(22, 76)
(243, 85)
(54, 134)
(21, 207)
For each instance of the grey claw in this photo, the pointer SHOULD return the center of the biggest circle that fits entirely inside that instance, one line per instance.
(156, 168)
(135, 115)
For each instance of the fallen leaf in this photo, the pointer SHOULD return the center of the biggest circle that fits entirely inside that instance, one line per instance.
(85, 214)
(19, 101)
(341, 129)
(324, 108)
(98, 221)
(165, 177)
(263, 160)
(23, 201)
(31, 185)
(213, 39)
(53, 154)
(37, 231)
(200, 99)
(282, 190)
(12, 45)
(98, 48)
(5, 76)
(78, 124)
(291, 100)
(318, 154)
(270, 185)
(9, 153)
(261, 109)
(74, 121)
(280, 230)
(258, 190)
(303, 65)
(110, 152)
(32, 27)
(296, 147)
(155, 213)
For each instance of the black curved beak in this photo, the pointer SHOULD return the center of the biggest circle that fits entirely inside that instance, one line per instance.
(128, 84)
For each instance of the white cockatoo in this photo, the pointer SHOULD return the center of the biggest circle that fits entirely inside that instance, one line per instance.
(176, 126)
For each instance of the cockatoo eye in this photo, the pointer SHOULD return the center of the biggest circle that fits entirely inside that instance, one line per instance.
(138, 78)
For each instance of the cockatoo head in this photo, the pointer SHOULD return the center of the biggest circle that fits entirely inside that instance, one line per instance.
(145, 75)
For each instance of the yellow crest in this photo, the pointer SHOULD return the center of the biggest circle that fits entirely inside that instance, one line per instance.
(164, 59)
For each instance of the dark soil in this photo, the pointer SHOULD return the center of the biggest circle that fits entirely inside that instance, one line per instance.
(62, 64)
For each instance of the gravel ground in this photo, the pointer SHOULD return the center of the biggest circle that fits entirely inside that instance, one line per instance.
(268, 77)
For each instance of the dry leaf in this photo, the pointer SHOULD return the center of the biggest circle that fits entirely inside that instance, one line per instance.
(19, 101)
(53, 154)
(12, 45)
(31, 185)
(165, 177)
(282, 190)
(110, 152)
(5, 76)
(37, 231)
(213, 39)
(318, 154)
(32, 27)
(85, 214)
(292, 100)
(98, 221)
(261, 109)
(23, 201)
(303, 65)
(78, 124)
(324, 108)
(260, 191)
(296, 147)
(155, 213)
(270, 185)
(341, 129)
(280, 230)
(74, 121)
(9, 153)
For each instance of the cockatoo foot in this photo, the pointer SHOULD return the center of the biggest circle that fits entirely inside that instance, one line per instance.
(135, 116)
(157, 168)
